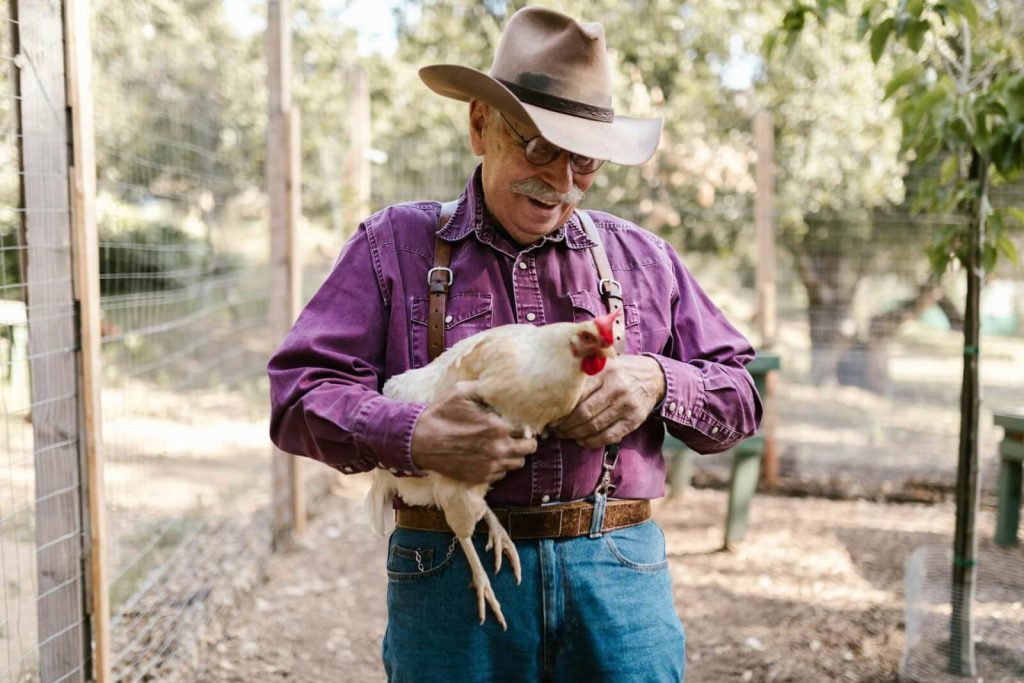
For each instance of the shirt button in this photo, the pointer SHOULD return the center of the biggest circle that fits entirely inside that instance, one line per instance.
(448, 319)
(672, 407)
(714, 430)
(689, 413)
(522, 265)
(407, 473)
(346, 469)
(546, 498)
(393, 470)
(531, 317)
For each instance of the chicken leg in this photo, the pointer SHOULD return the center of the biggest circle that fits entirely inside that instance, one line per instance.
(499, 539)
(463, 507)
(482, 585)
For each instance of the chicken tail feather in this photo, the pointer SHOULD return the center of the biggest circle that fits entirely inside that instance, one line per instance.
(378, 505)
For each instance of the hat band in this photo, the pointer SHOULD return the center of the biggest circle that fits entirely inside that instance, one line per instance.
(560, 104)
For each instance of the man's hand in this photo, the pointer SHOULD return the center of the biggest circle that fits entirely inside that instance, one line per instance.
(457, 436)
(615, 402)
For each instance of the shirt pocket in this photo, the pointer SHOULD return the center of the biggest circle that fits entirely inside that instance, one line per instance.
(465, 315)
(586, 306)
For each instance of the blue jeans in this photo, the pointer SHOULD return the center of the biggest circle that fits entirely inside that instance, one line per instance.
(588, 609)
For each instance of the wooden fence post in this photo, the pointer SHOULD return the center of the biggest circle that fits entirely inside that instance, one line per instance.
(764, 228)
(85, 249)
(284, 191)
(43, 126)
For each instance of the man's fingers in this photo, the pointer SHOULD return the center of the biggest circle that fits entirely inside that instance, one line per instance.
(597, 422)
(515, 463)
(612, 434)
(582, 415)
(522, 447)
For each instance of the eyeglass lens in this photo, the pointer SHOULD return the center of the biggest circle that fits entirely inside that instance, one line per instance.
(539, 151)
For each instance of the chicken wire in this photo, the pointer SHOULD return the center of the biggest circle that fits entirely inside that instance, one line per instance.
(998, 614)
(184, 283)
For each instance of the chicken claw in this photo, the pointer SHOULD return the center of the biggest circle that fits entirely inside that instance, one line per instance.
(499, 539)
(484, 593)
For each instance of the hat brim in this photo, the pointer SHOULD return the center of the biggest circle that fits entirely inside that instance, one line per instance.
(626, 140)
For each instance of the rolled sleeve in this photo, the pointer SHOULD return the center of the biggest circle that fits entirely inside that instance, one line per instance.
(710, 401)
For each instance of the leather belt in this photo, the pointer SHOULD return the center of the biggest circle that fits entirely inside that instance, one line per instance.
(567, 520)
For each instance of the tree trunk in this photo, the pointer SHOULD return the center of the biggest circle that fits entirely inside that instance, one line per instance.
(830, 276)
(867, 364)
(961, 637)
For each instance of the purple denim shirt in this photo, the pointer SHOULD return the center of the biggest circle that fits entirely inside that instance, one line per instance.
(368, 322)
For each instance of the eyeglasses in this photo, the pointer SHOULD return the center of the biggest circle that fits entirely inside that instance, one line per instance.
(539, 152)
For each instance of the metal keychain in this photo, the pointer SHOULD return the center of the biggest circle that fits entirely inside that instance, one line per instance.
(604, 488)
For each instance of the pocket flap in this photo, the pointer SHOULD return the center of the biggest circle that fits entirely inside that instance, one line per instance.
(458, 309)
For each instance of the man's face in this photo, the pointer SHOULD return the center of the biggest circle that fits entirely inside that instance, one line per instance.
(509, 179)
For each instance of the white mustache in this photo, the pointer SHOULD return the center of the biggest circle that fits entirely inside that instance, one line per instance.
(535, 188)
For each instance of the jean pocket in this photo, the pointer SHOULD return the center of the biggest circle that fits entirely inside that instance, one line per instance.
(416, 555)
(640, 547)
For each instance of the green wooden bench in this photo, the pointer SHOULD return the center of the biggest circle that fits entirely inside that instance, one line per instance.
(1011, 460)
(746, 460)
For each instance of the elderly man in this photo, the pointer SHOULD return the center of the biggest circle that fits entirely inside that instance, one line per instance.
(596, 598)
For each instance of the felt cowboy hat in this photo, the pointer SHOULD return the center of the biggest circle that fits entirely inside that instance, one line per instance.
(552, 72)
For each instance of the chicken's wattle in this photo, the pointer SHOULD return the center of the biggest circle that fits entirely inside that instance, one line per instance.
(592, 365)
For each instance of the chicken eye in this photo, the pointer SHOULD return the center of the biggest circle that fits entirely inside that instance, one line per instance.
(587, 337)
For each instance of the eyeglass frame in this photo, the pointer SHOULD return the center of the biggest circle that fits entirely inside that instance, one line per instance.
(557, 150)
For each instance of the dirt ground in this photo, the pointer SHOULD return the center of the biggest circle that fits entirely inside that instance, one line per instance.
(815, 593)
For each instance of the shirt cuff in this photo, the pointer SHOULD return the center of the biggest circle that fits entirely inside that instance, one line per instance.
(685, 401)
(384, 428)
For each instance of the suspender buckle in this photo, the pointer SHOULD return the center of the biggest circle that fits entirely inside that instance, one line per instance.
(437, 269)
(605, 287)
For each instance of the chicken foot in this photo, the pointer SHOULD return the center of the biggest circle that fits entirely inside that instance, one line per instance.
(499, 539)
(484, 593)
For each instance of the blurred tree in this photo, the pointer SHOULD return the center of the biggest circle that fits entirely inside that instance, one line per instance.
(324, 53)
(837, 151)
(173, 82)
(959, 90)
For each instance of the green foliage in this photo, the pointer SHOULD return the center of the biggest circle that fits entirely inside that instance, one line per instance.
(958, 86)
(174, 90)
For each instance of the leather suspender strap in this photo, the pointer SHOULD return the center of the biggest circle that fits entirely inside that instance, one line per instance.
(439, 279)
(611, 290)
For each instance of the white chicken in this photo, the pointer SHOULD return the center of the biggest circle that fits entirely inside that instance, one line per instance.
(531, 376)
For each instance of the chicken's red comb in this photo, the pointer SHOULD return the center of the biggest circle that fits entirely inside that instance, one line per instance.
(604, 326)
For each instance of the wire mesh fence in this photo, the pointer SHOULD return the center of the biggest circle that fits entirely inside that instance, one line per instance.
(183, 263)
(998, 616)
(43, 632)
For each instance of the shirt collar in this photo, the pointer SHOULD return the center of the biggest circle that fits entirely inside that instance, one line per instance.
(471, 217)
